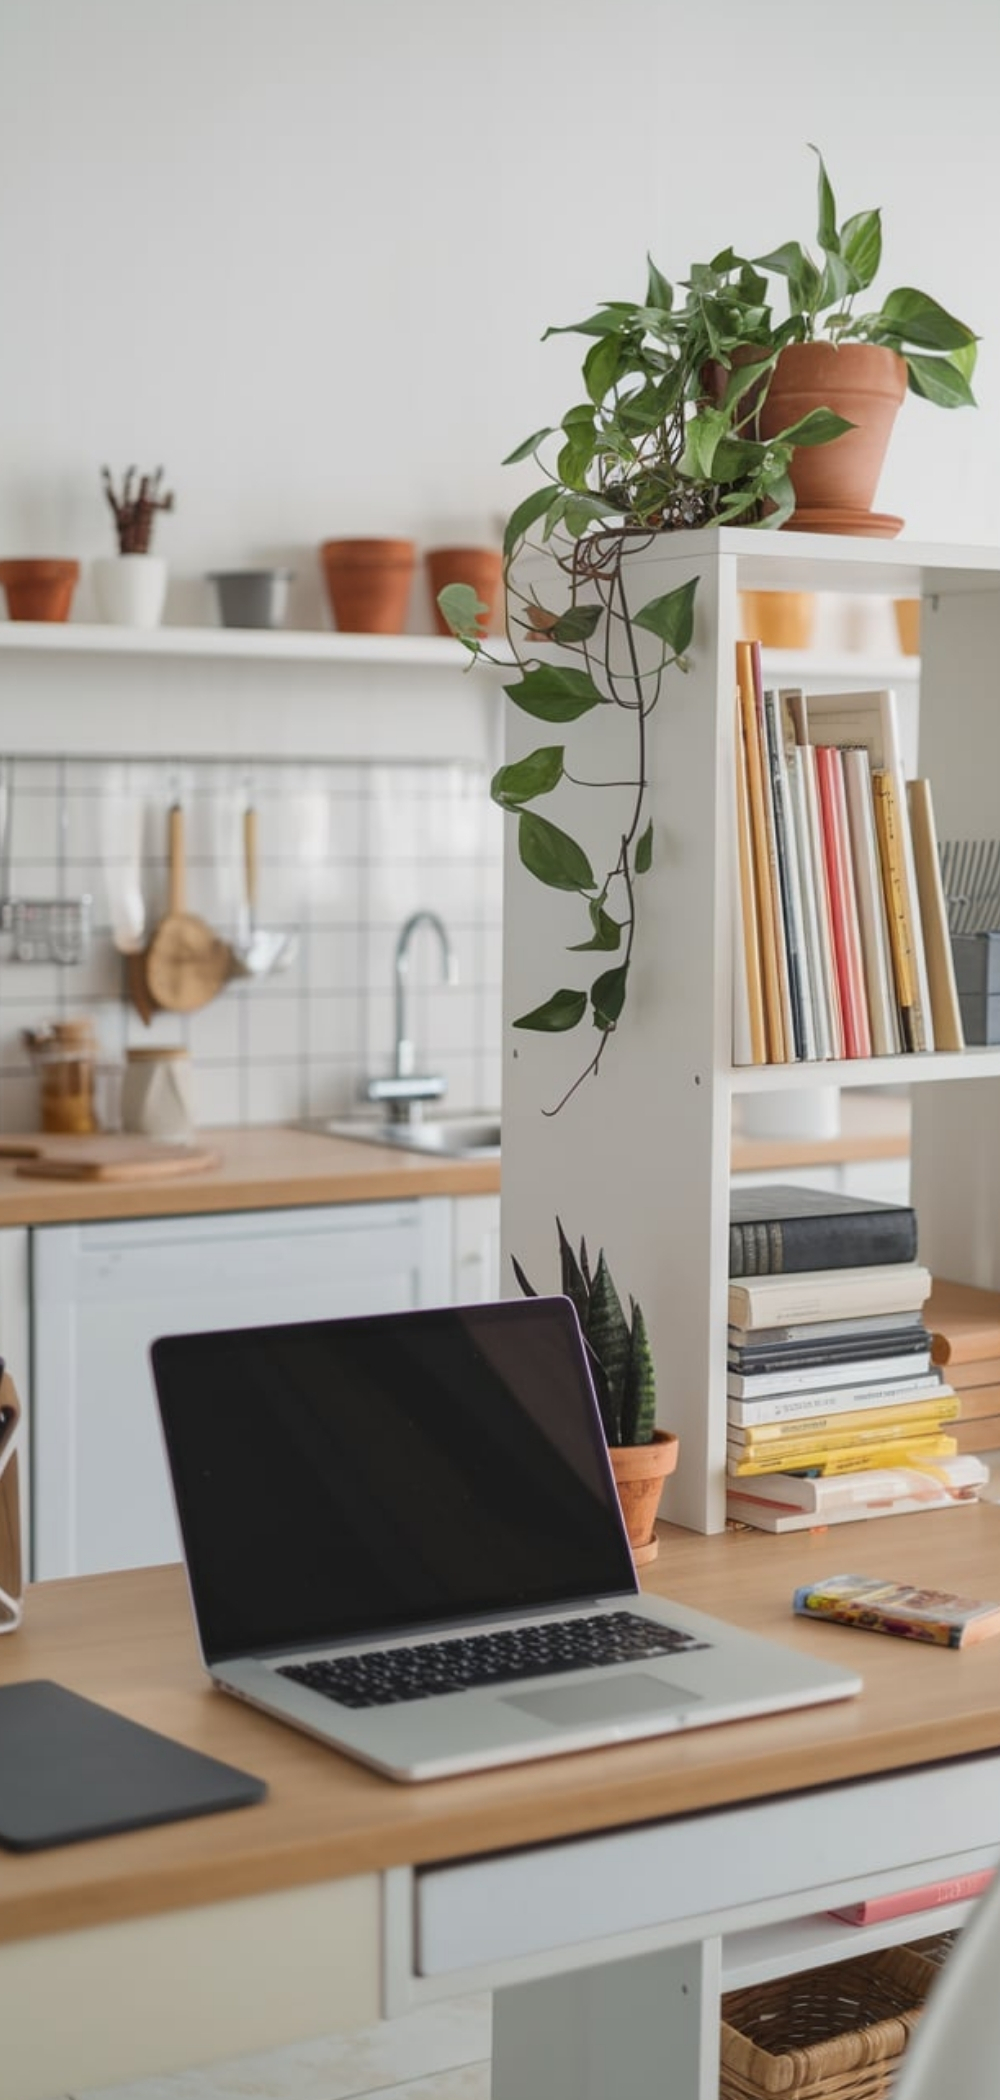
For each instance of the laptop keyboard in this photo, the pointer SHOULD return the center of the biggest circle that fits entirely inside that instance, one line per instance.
(389, 1675)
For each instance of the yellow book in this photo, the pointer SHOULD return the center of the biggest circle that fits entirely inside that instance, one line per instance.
(776, 1051)
(867, 1426)
(749, 909)
(945, 1010)
(852, 1458)
(890, 847)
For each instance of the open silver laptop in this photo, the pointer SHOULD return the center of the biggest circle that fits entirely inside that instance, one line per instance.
(402, 1535)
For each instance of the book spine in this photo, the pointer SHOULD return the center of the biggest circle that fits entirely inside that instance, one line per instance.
(800, 996)
(773, 872)
(962, 1888)
(824, 918)
(849, 1458)
(822, 1031)
(839, 1240)
(748, 988)
(758, 825)
(904, 962)
(778, 1407)
(872, 918)
(843, 902)
(880, 1425)
(817, 1378)
(945, 1010)
(819, 1296)
(839, 1358)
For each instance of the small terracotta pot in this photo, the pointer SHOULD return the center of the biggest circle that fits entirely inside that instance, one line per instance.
(368, 583)
(482, 567)
(865, 383)
(778, 619)
(640, 1471)
(39, 590)
(907, 611)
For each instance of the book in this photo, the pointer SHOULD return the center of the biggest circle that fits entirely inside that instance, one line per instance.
(873, 922)
(822, 1294)
(873, 1910)
(773, 1014)
(964, 1321)
(827, 974)
(825, 1377)
(846, 1399)
(773, 865)
(781, 1230)
(945, 1011)
(847, 954)
(901, 934)
(748, 1001)
(876, 1606)
(811, 933)
(799, 988)
(875, 1487)
(869, 721)
(853, 1426)
(776, 1517)
(825, 1461)
(871, 1324)
(892, 1340)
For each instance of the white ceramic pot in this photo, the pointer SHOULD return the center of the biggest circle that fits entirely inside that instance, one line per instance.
(130, 589)
(813, 1113)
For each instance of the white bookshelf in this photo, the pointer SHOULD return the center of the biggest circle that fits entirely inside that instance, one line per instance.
(639, 1159)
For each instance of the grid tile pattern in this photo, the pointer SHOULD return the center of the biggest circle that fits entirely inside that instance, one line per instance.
(346, 854)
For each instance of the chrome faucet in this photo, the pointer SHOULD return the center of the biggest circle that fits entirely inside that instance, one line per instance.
(406, 1090)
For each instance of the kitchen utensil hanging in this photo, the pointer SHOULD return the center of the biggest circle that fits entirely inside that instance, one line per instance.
(257, 953)
(186, 964)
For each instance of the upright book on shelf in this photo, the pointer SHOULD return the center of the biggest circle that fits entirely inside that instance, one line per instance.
(848, 958)
(872, 917)
(945, 1010)
(764, 870)
(781, 1229)
(796, 954)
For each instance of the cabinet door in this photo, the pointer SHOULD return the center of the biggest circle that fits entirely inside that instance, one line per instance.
(102, 1293)
(476, 1250)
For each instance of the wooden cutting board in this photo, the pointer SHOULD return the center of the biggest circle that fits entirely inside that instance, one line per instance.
(105, 1158)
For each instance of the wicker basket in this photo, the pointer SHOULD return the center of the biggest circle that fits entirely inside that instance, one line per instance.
(836, 2033)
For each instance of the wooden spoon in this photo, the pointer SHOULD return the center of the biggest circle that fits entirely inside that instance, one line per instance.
(186, 964)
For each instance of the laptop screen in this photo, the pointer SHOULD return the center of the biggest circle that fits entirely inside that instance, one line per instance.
(347, 1478)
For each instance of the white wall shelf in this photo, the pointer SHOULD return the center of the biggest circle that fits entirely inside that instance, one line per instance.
(304, 645)
(638, 1160)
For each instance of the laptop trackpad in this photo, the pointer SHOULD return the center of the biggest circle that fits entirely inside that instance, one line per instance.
(613, 1699)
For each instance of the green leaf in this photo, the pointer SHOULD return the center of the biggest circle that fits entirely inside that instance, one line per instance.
(601, 367)
(609, 320)
(607, 933)
(827, 229)
(658, 291)
(937, 379)
(575, 460)
(817, 428)
(786, 261)
(671, 617)
(639, 1405)
(644, 850)
(911, 317)
(572, 1281)
(535, 775)
(527, 1288)
(463, 609)
(608, 1335)
(607, 996)
(529, 447)
(861, 246)
(577, 624)
(564, 1010)
(836, 283)
(533, 507)
(554, 693)
(551, 855)
(582, 511)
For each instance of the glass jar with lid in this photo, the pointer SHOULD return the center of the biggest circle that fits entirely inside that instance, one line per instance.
(65, 1056)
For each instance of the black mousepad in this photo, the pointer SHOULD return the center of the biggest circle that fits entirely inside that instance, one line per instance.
(71, 1769)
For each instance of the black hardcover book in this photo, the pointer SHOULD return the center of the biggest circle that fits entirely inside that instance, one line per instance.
(797, 1356)
(783, 1231)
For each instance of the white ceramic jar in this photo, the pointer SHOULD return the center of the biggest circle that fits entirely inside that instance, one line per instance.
(157, 1093)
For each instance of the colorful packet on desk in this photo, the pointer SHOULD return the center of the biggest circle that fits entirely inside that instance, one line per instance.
(873, 1605)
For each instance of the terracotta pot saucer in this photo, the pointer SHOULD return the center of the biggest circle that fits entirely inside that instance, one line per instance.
(864, 524)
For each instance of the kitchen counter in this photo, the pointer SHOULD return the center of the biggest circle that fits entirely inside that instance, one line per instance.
(873, 1125)
(261, 1167)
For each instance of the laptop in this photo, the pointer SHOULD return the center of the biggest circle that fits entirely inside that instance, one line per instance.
(402, 1535)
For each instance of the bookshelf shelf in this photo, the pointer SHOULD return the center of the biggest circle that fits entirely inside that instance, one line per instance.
(639, 1158)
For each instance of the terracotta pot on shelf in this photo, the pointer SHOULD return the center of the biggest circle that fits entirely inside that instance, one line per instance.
(778, 619)
(907, 611)
(640, 1471)
(368, 584)
(39, 590)
(835, 484)
(482, 567)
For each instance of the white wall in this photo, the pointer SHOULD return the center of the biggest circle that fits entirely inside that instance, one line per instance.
(303, 253)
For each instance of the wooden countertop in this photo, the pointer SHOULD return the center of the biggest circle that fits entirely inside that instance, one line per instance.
(872, 1126)
(272, 1167)
(127, 1640)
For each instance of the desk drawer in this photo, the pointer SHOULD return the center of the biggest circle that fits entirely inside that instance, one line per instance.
(735, 1867)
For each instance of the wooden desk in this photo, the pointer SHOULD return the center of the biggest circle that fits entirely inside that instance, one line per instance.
(613, 1887)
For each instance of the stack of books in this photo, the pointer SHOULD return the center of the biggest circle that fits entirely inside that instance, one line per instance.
(845, 948)
(835, 1408)
(964, 1324)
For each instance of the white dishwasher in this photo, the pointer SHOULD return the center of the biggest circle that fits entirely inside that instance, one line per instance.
(102, 1293)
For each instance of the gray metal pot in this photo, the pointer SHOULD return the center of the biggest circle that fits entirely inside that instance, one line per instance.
(252, 597)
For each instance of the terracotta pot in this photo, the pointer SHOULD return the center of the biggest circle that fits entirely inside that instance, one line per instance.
(907, 611)
(368, 583)
(778, 619)
(482, 567)
(640, 1471)
(863, 382)
(39, 590)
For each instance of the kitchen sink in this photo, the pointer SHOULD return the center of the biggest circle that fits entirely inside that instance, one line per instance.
(443, 1137)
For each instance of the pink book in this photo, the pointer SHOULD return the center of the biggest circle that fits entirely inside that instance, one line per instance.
(846, 928)
(903, 1901)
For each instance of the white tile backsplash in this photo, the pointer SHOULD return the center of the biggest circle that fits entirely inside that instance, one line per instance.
(346, 853)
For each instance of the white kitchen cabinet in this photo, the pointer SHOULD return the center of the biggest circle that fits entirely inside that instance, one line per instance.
(476, 1250)
(101, 1293)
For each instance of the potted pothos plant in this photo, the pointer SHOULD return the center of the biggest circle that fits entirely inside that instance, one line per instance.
(681, 426)
(621, 1366)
